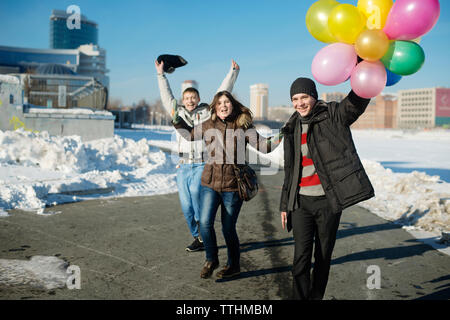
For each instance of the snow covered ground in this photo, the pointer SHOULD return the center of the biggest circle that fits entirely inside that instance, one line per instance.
(38, 170)
(410, 171)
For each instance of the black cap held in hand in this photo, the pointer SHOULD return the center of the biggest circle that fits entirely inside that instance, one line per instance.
(171, 62)
(304, 85)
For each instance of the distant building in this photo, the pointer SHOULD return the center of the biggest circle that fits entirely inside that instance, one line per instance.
(423, 108)
(55, 101)
(333, 96)
(381, 113)
(62, 37)
(280, 113)
(189, 84)
(87, 60)
(92, 63)
(63, 90)
(22, 60)
(259, 101)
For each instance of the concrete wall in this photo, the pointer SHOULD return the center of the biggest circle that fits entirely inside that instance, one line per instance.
(88, 126)
(16, 114)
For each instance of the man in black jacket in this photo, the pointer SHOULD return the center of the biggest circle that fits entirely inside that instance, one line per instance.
(323, 176)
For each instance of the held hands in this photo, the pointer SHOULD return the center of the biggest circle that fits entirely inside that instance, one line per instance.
(283, 219)
(159, 67)
(276, 139)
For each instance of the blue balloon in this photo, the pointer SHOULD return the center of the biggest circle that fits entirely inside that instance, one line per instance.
(392, 78)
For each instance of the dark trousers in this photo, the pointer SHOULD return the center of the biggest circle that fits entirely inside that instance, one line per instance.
(313, 224)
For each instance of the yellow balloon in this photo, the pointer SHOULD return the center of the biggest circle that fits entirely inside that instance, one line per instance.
(372, 45)
(376, 12)
(317, 20)
(346, 23)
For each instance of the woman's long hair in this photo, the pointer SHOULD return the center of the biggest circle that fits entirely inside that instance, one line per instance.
(241, 115)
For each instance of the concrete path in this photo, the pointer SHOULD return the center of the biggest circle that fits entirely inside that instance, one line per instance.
(133, 248)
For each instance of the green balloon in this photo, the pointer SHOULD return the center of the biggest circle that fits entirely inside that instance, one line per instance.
(404, 57)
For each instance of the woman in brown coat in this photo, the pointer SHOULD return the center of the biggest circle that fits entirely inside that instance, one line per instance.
(226, 135)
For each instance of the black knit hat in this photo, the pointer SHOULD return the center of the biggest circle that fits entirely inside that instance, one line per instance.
(171, 62)
(304, 85)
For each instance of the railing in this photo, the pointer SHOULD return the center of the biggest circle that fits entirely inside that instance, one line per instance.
(58, 91)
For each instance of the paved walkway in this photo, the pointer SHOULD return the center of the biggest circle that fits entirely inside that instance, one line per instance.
(133, 248)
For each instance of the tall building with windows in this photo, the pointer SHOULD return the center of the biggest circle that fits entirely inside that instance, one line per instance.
(92, 63)
(76, 49)
(381, 113)
(259, 101)
(63, 37)
(423, 108)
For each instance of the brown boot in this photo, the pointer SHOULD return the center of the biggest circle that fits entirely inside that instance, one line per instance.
(228, 272)
(208, 269)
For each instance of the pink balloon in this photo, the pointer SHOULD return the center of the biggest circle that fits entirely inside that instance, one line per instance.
(368, 79)
(410, 19)
(334, 63)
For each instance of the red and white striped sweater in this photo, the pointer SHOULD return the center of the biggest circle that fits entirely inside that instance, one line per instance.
(310, 183)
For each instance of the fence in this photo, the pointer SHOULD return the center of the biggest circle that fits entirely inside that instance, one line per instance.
(56, 91)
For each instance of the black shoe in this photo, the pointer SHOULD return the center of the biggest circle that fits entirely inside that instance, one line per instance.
(195, 246)
(228, 272)
(208, 269)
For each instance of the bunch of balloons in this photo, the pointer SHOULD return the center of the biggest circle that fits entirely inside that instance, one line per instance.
(384, 36)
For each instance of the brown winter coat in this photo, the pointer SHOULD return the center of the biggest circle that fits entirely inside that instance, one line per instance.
(226, 143)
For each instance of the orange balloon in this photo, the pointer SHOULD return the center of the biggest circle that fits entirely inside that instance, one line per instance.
(372, 45)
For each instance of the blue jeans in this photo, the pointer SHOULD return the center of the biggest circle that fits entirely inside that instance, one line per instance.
(230, 207)
(188, 182)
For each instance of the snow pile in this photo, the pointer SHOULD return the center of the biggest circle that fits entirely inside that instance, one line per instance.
(411, 199)
(40, 150)
(40, 272)
(38, 170)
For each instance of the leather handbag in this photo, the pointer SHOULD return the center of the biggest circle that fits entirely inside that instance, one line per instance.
(247, 181)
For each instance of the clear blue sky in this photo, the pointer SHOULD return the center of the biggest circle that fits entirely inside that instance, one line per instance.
(268, 38)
